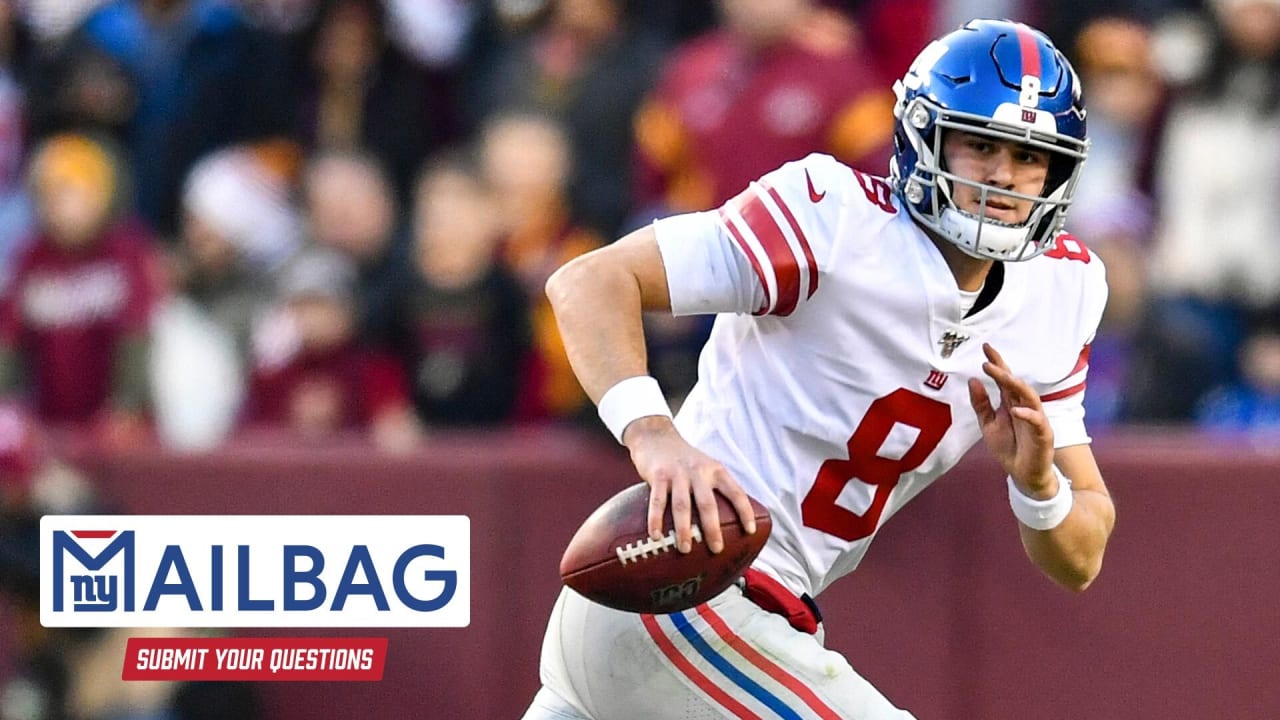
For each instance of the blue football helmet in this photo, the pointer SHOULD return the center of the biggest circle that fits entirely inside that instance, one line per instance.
(1000, 79)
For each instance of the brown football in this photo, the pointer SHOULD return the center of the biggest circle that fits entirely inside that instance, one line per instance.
(611, 559)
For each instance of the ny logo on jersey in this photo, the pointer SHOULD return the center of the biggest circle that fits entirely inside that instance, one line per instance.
(936, 379)
(950, 341)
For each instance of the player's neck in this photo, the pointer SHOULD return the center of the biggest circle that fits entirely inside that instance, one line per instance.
(970, 272)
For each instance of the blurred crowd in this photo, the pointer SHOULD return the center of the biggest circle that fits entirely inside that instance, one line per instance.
(337, 216)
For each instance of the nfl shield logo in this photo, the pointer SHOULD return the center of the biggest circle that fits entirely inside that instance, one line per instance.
(950, 341)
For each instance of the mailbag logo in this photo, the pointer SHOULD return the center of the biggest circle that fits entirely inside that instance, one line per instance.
(255, 571)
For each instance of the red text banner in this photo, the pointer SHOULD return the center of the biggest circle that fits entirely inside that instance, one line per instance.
(250, 658)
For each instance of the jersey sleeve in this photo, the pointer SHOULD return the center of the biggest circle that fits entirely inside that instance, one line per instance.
(763, 251)
(1064, 401)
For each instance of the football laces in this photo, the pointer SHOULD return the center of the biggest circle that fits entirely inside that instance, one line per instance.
(640, 550)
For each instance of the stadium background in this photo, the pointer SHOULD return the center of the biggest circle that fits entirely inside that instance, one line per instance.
(324, 225)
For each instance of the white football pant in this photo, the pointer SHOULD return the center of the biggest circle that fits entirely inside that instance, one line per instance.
(725, 659)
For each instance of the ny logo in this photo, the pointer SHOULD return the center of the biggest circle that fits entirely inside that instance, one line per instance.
(936, 379)
(950, 341)
(94, 593)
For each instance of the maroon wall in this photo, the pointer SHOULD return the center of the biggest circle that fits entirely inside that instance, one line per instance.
(945, 615)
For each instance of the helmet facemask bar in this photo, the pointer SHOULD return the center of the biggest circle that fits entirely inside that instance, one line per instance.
(977, 234)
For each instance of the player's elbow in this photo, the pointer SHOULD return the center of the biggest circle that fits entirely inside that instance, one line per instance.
(595, 279)
(1078, 577)
(1076, 585)
(565, 280)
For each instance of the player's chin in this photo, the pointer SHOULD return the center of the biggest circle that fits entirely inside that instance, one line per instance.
(1004, 215)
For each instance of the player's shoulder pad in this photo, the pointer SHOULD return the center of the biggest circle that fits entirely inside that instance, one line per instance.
(807, 183)
(819, 178)
(1071, 258)
(1078, 277)
(788, 223)
(823, 192)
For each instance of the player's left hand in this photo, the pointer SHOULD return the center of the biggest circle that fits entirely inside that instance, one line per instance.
(1018, 432)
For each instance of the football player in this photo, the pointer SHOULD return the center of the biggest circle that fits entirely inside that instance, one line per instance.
(869, 332)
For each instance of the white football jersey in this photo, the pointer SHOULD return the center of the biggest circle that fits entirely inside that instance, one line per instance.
(834, 383)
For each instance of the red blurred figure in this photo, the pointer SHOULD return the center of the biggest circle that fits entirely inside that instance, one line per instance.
(312, 376)
(780, 79)
(76, 314)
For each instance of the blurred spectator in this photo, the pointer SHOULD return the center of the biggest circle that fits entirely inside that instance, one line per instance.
(1115, 61)
(673, 20)
(463, 326)
(237, 214)
(896, 30)
(15, 209)
(198, 76)
(312, 375)
(779, 80)
(1215, 260)
(357, 92)
(526, 159)
(431, 31)
(238, 228)
(85, 90)
(75, 315)
(1069, 19)
(350, 207)
(33, 482)
(280, 17)
(52, 20)
(1253, 403)
(1111, 212)
(587, 67)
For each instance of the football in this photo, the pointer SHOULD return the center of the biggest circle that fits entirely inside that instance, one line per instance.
(612, 560)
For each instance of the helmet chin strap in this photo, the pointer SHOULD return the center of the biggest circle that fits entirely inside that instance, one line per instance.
(982, 239)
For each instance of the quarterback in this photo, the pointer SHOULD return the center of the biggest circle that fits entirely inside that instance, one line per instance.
(869, 331)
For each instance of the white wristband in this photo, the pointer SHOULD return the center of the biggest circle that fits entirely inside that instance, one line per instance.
(1042, 514)
(629, 400)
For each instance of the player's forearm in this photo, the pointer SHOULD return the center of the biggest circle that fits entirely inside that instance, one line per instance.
(1071, 553)
(597, 306)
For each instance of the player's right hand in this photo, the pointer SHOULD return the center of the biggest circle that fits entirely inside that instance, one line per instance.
(685, 477)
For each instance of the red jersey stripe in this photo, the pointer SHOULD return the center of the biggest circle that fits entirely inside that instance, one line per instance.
(699, 679)
(795, 685)
(1067, 392)
(750, 204)
(800, 238)
(1082, 362)
(755, 262)
(1030, 51)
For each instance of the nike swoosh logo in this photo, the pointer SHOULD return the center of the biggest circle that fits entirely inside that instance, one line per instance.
(814, 195)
